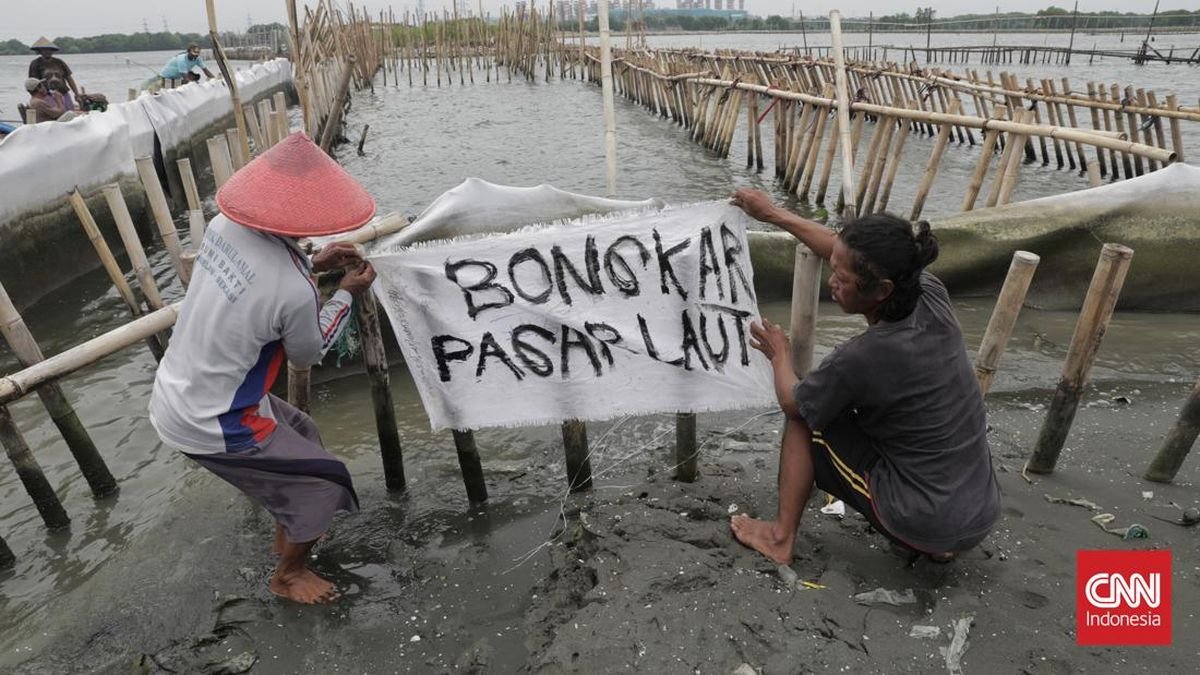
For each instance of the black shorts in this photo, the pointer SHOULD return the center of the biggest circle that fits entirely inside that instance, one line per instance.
(843, 458)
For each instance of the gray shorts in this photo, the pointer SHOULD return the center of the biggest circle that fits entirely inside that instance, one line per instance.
(291, 474)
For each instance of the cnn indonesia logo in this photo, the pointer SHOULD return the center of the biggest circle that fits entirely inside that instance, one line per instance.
(1123, 597)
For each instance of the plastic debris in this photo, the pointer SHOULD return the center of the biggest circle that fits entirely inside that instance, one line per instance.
(792, 582)
(835, 508)
(1147, 495)
(884, 596)
(958, 645)
(925, 632)
(236, 665)
(745, 669)
(1133, 531)
(733, 508)
(1085, 503)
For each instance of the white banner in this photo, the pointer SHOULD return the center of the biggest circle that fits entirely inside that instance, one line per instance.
(630, 314)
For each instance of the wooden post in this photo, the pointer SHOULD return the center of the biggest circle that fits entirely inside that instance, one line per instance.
(162, 214)
(298, 386)
(1176, 132)
(335, 115)
(188, 178)
(806, 287)
(575, 447)
(843, 98)
(54, 516)
(1178, 442)
(1004, 317)
(133, 245)
(218, 155)
(893, 164)
(1093, 321)
(468, 462)
(236, 160)
(985, 157)
(686, 451)
(375, 360)
(1008, 176)
(230, 79)
(25, 348)
(106, 257)
(935, 159)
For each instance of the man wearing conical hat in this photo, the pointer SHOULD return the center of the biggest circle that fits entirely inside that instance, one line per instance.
(52, 70)
(253, 306)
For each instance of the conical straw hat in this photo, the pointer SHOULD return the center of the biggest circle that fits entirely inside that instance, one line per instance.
(43, 43)
(296, 190)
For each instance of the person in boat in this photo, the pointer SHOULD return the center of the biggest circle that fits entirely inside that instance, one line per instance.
(48, 105)
(54, 71)
(182, 66)
(892, 422)
(251, 307)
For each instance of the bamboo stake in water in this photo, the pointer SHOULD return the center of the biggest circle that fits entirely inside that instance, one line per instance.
(133, 245)
(375, 360)
(843, 111)
(51, 510)
(1178, 443)
(1085, 343)
(62, 413)
(806, 287)
(222, 164)
(162, 214)
(686, 450)
(935, 158)
(236, 161)
(1004, 317)
(229, 77)
(985, 157)
(107, 260)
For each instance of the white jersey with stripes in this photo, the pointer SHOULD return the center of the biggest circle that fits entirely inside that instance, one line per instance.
(251, 307)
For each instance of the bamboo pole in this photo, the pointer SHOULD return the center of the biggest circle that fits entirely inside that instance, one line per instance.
(686, 449)
(873, 182)
(375, 361)
(814, 149)
(806, 287)
(882, 130)
(25, 381)
(230, 79)
(1093, 321)
(298, 386)
(162, 215)
(985, 157)
(23, 345)
(935, 159)
(235, 153)
(1176, 132)
(1011, 172)
(1178, 443)
(1004, 317)
(335, 116)
(827, 165)
(133, 245)
(48, 506)
(106, 257)
(843, 96)
(222, 164)
(188, 178)
(1095, 113)
(575, 447)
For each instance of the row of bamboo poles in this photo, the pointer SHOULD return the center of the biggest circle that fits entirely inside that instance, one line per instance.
(708, 94)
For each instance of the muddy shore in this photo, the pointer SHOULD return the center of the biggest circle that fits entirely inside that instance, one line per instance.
(641, 574)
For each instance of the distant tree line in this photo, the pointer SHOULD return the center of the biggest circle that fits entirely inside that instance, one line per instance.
(130, 42)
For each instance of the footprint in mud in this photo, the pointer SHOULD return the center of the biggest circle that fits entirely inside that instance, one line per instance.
(1013, 512)
(1033, 600)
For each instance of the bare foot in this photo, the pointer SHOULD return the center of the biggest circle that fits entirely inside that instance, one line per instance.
(304, 587)
(764, 536)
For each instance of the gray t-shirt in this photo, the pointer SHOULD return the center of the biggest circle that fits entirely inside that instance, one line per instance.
(910, 389)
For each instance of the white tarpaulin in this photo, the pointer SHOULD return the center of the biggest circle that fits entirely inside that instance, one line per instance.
(629, 314)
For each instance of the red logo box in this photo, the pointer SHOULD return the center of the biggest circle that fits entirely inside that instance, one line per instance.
(1123, 597)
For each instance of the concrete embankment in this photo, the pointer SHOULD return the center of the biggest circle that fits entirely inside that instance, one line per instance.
(42, 245)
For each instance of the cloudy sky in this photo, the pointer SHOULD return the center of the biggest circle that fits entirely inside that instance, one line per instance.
(25, 21)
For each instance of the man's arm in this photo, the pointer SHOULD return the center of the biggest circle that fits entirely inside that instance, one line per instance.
(46, 111)
(207, 72)
(812, 234)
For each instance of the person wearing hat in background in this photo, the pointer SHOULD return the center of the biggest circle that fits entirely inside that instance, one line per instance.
(251, 307)
(48, 105)
(52, 70)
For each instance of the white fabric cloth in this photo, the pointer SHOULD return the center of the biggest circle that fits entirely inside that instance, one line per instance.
(629, 314)
(252, 306)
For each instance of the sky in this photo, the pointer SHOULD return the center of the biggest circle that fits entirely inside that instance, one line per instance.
(26, 21)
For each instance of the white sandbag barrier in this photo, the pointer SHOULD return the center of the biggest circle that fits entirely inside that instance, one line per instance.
(99, 148)
(632, 313)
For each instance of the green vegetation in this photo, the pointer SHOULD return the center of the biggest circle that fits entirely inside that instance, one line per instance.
(136, 42)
